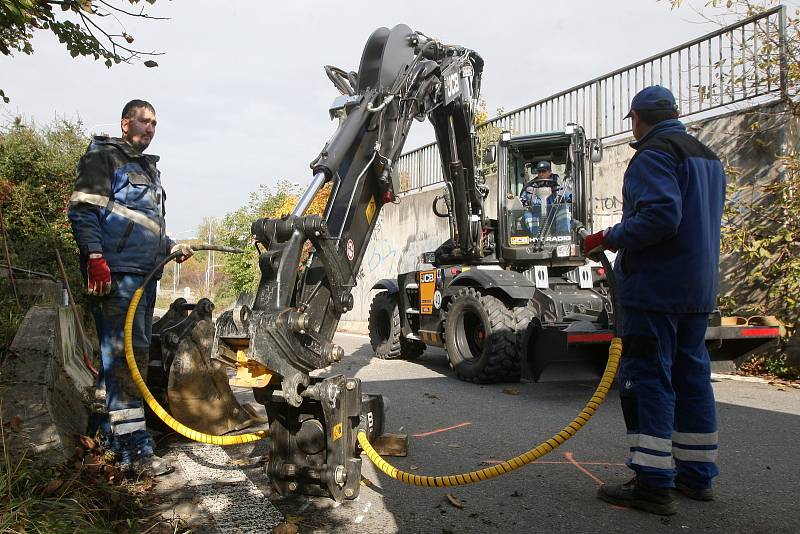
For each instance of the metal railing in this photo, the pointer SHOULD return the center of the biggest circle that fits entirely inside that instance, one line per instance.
(745, 61)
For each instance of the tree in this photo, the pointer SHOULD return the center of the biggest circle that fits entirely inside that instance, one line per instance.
(241, 270)
(80, 25)
(761, 222)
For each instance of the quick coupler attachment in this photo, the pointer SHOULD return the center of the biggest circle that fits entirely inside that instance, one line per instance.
(313, 447)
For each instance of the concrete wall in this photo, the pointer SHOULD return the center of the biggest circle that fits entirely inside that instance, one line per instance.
(409, 228)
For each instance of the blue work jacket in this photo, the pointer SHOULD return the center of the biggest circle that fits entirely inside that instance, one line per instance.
(668, 240)
(118, 207)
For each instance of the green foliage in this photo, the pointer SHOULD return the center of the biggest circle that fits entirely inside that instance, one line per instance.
(488, 134)
(241, 270)
(760, 227)
(37, 172)
(79, 25)
(772, 365)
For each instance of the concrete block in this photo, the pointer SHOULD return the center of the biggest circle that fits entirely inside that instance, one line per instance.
(44, 382)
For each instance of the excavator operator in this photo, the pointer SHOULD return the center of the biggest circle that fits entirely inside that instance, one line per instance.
(544, 201)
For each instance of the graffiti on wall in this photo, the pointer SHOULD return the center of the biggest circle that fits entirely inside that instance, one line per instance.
(385, 258)
(608, 205)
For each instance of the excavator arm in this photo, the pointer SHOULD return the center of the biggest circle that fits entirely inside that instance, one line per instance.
(403, 76)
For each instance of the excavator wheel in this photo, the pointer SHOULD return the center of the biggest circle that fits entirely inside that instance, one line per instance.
(481, 338)
(384, 326)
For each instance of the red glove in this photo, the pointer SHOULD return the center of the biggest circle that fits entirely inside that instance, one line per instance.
(594, 244)
(99, 275)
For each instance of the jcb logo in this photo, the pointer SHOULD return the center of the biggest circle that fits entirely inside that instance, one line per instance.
(427, 277)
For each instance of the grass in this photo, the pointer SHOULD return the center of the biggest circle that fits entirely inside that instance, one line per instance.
(86, 494)
(10, 319)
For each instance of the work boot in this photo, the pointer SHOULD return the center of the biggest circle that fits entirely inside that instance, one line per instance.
(151, 466)
(698, 494)
(636, 494)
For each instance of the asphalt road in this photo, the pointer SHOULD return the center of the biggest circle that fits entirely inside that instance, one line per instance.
(455, 427)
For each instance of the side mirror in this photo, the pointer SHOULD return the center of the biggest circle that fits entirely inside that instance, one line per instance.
(595, 151)
(491, 155)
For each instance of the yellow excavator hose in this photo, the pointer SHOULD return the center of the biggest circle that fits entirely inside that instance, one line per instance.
(162, 414)
(614, 354)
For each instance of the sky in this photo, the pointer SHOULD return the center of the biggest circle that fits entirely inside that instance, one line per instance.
(242, 98)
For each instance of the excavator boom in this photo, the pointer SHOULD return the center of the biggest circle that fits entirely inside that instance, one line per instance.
(403, 76)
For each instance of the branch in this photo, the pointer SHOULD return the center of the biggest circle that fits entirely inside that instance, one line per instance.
(141, 14)
(133, 53)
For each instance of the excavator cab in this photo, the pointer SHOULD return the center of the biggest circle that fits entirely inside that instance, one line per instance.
(536, 210)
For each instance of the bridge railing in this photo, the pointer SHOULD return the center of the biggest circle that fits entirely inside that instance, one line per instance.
(746, 61)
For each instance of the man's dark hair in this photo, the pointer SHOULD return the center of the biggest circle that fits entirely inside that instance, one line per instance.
(131, 107)
(653, 116)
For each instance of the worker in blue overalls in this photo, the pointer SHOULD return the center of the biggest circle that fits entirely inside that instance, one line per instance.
(667, 271)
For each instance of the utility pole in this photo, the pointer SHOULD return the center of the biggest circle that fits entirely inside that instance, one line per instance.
(210, 262)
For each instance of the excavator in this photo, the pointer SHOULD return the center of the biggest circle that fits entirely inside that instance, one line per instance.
(309, 265)
(284, 333)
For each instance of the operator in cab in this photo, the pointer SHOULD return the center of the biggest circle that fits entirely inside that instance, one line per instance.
(544, 198)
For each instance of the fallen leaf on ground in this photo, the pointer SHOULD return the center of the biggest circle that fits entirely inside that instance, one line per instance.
(458, 503)
(453, 445)
(285, 528)
(248, 462)
(88, 443)
(52, 487)
(15, 423)
(511, 391)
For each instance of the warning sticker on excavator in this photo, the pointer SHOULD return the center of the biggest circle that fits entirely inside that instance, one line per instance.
(427, 287)
(350, 250)
(520, 240)
(337, 431)
(370, 211)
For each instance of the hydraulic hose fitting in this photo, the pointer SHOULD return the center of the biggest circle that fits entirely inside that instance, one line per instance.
(299, 321)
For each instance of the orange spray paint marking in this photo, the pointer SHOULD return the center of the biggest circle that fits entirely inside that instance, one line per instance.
(570, 459)
(440, 430)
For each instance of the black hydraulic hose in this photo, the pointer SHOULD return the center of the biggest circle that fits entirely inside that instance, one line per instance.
(612, 280)
(178, 254)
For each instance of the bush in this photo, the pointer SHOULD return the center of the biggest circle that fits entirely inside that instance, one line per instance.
(37, 175)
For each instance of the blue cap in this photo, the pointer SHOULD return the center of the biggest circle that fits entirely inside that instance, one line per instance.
(654, 97)
(543, 166)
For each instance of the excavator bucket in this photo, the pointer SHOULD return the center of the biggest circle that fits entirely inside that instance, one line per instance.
(194, 385)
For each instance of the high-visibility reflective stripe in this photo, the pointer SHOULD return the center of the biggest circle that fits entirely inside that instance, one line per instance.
(119, 209)
(125, 415)
(650, 442)
(651, 460)
(127, 428)
(695, 438)
(88, 198)
(695, 455)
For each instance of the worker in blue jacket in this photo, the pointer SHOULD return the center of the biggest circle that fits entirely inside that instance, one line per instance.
(667, 271)
(117, 215)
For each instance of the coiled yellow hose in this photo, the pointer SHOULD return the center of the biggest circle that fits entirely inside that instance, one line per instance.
(162, 414)
(614, 354)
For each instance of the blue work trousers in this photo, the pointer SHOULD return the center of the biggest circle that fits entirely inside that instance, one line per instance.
(129, 437)
(667, 400)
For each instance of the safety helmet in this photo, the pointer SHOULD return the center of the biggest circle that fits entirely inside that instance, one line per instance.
(542, 166)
